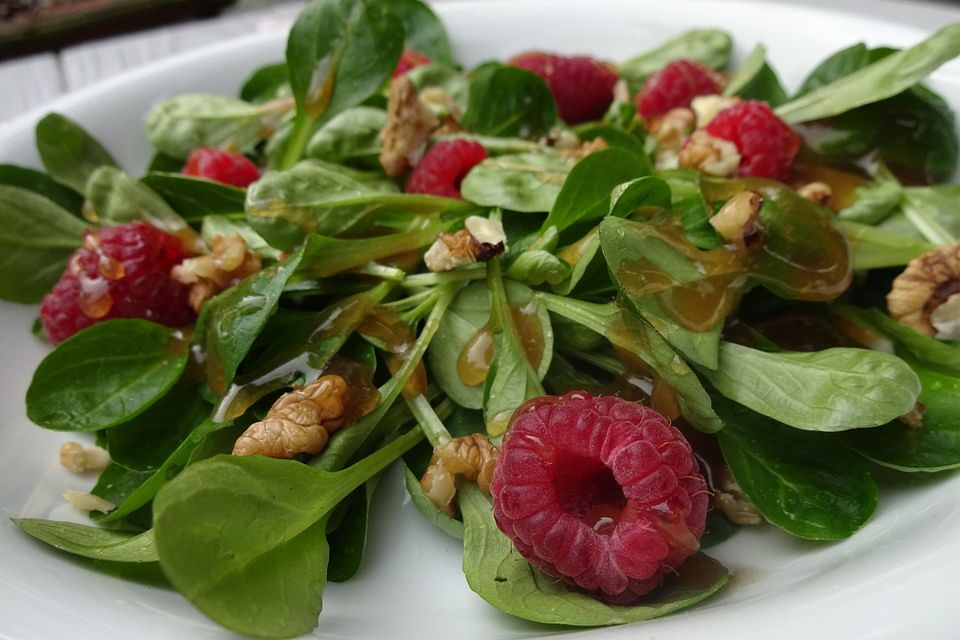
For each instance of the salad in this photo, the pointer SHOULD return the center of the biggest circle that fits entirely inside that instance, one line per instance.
(604, 315)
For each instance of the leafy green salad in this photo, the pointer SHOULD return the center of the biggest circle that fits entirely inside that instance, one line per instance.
(374, 256)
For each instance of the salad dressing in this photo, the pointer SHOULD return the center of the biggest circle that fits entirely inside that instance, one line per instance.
(475, 357)
(385, 327)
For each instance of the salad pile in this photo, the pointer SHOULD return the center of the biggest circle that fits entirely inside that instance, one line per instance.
(603, 315)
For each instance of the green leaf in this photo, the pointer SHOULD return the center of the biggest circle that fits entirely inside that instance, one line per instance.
(113, 197)
(240, 536)
(116, 484)
(348, 540)
(428, 510)
(424, 30)
(105, 375)
(92, 542)
(518, 182)
(183, 123)
(935, 445)
(840, 64)
(352, 135)
(265, 83)
(36, 239)
(509, 101)
(874, 202)
(453, 82)
(497, 572)
(875, 248)
(933, 212)
(217, 225)
(756, 80)
(642, 193)
(747, 71)
(579, 256)
(619, 138)
(43, 185)
(230, 322)
(537, 266)
(830, 390)
(69, 153)
(708, 46)
(585, 195)
(688, 204)
(803, 482)
(194, 198)
(879, 80)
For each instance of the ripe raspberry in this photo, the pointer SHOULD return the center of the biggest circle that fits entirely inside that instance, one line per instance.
(674, 86)
(408, 60)
(222, 166)
(120, 272)
(444, 166)
(767, 144)
(582, 86)
(601, 492)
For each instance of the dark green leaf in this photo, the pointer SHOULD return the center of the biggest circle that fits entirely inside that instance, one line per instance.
(113, 197)
(537, 266)
(453, 82)
(36, 239)
(875, 248)
(718, 529)
(68, 152)
(520, 182)
(116, 484)
(648, 193)
(105, 375)
(92, 542)
(756, 80)
(708, 46)
(193, 198)
(830, 390)
(352, 134)
(181, 124)
(508, 101)
(348, 540)
(41, 184)
(801, 481)
(265, 83)
(840, 64)
(161, 162)
(217, 225)
(424, 31)
(497, 572)
(874, 202)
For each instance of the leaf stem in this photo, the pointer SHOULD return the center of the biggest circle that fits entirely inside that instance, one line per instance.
(297, 141)
(381, 271)
(414, 315)
(595, 316)
(477, 272)
(929, 228)
(430, 422)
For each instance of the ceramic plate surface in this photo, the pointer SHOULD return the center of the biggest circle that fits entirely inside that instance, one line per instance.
(896, 578)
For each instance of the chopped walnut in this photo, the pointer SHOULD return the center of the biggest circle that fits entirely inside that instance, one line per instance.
(228, 262)
(621, 91)
(481, 240)
(707, 107)
(736, 222)
(733, 502)
(300, 421)
(819, 192)
(713, 156)
(926, 296)
(560, 138)
(88, 501)
(409, 124)
(80, 459)
(914, 419)
(584, 149)
(670, 131)
(471, 457)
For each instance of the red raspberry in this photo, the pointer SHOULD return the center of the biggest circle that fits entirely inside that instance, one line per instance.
(408, 60)
(767, 144)
(120, 272)
(582, 86)
(216, 164)
(675, 86)
(602, 492)
(444, 166)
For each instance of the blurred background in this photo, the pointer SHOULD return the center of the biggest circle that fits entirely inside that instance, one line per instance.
(52, 47)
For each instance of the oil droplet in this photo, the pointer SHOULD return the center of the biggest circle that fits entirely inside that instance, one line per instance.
(95, 299)
(475, 357)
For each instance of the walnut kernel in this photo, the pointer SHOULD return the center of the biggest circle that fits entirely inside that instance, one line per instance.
(481, 240)
(736, 222)
(409, 124)
(713, 156)
(80, 459)
(228, 262)
(925, 296)
(471, 457)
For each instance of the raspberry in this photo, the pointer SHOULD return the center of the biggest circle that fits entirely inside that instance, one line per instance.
(582, 86)
(444, 167)
(767, 144)
(222, 166)
(408, 60)
(674, 86)
(601, 492)
(120, 272)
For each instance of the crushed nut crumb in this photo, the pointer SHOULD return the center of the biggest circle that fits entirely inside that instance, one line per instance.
(471, 457)
(733, 502)
(670, 131)
(300, 421)
(926, 296)
(481, 240)
(584, 149)
(410, 122)
(737, 220)
(228, 262)
(80, 459)
(88, 501)
(713, 156)
(819, 192)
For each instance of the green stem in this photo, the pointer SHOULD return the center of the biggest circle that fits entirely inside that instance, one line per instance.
(598, 317)
(297, 142)
(430, 422)
(600, 360)
(423, 308)
(414, 281)
(380, 271)
(929, 228)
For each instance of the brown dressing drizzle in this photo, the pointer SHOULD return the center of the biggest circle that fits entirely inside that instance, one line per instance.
(475, 357)
(397, 339)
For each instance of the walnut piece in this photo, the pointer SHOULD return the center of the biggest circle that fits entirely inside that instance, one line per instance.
(481, 240)
(924, 297)
(670, 131)
(409, 124)
(736, 222)
(471, 457)
(819, 192)
(713, 156)
(228, 262)
(80, 459)
(914, 418)
(733, 502)
(300, 421)
(707, 107)
(583, 149)
(88, 501)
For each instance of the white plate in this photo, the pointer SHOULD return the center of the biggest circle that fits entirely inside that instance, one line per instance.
(894, 579)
